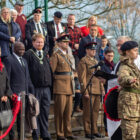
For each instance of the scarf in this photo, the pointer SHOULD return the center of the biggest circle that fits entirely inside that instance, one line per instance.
(1, 65)
(110, 64)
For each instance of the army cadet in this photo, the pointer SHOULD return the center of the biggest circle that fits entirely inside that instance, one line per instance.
(129, 96)
(84, 74)
(62, 89)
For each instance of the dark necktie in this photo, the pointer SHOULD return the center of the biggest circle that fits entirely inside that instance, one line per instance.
(22, 63)
(58, 32)
(39, 31)
(39, 54)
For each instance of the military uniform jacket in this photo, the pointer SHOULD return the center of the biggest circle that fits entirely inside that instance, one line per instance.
(84, 74)
(62, 84)
(129, 96)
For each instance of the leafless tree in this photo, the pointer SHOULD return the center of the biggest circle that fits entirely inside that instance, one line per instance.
(124, 21)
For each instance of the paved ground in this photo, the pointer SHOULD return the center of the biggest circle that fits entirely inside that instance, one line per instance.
(82, 138)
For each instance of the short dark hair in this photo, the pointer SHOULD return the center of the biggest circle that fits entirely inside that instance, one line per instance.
(103, 37)
(58, 14)
(108, 51)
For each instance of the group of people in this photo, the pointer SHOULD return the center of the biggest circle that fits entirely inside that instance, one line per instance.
(54, 60)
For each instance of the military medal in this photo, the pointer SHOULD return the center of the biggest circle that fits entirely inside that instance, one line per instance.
(40, 59)
(41, 62)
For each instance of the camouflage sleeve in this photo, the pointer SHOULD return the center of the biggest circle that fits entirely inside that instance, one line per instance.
(124, 77)
(82, 70)
(53, 62)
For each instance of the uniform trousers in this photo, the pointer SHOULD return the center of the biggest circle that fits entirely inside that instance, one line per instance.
(44, 97)
(62, 114)
(130, 129)
(95, 112)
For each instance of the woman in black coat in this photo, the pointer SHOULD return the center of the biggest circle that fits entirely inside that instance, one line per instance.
(5, 90)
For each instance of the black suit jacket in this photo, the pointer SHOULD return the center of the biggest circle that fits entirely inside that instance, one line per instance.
(30, 30)
(51, 34)
(86, 40)
(18, 76)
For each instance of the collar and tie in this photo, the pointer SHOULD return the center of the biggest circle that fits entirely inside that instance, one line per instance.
(22, 63)
(58, 31)
(38, 27)
(39, 54)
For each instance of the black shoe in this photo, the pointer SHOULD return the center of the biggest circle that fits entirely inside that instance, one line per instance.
(61, 138)
(72, 137)
(46, 139)
(89, 136)
(98, 135)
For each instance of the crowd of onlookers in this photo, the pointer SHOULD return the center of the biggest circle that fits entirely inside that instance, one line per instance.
(48, 57)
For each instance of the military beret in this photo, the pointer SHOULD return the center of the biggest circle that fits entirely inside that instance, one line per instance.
(19, 3)
(63, 38)
(37, 10)
(91, 45)
(58, 14)
(128, 45)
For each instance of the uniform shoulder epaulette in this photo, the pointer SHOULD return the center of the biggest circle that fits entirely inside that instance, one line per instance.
(55, 51)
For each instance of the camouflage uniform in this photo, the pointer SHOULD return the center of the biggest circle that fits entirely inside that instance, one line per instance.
(129, 99)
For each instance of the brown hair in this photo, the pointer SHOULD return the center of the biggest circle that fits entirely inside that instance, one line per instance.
(38, 35)
(70, 15)
(108, 51)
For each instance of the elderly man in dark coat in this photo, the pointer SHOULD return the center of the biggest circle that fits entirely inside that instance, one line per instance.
(34, 26)
(55, 28)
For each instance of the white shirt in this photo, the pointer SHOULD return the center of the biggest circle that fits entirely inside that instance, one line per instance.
(92, 38)
(60, 29)
(18, 58)
(137, 62)
(37, 52)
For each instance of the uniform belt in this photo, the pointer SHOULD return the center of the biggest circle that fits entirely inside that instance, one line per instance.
(137, 91)
(63, 73)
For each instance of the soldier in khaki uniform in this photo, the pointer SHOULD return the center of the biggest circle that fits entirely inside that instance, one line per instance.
(62, 89)
(84, 74)
(129, 96)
